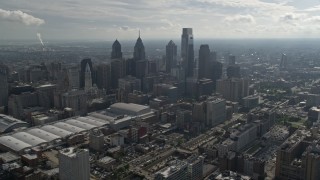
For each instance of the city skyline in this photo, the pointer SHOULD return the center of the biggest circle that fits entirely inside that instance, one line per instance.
(101, 20)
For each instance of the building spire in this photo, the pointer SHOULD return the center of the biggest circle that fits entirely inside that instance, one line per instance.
(139, 33)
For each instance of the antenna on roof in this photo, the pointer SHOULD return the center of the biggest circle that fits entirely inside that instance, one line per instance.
(139, 32)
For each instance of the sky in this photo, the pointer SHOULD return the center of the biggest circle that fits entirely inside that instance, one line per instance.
(157, 19)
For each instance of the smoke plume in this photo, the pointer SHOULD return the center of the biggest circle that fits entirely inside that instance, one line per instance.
(40, 39)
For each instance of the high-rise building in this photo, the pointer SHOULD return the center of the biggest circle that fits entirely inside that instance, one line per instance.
(129, 84)
(232, 60)
(283, 62)
(3, 86)
(288, 163)
(116, 50)
(104, 76)
(187, 51)
(204, 61)
(118, 70)
(216, 111)
(171, 56)
(140, 63)
(139, 52)
(141, 68)
(87, 78)
(233, 70)
(233, 89)
(311, 162)
(76, 99)
(46, 95)
(73, 78)
(96, 140)
(84, 64)
(195, 167)
(74, 164)
(215, 73)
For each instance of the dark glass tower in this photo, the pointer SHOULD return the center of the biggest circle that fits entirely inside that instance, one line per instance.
(171, 56)
(139, 52)
(187, 52)
(233, 70)
(204, 59)
(116, 50)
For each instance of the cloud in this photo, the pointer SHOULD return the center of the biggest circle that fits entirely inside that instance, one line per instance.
(292, 17)
(21, 17)
(313, 9)
(124, 28)
(240, 19)
(313, 19)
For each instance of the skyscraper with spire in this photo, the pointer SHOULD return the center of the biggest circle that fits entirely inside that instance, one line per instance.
(139, 52)
(88, 79)
(139, 57)
(84, 64)
(116, 50)
(187, 51)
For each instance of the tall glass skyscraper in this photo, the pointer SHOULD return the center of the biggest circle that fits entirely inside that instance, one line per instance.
(187, 52)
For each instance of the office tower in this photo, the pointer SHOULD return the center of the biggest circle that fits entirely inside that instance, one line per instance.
(204, 87)
(73, 78)
(288, 163)
(84, 64)
(140, 64)
(118, 70)
(87, 78)
(311, 161)
(199, 112)
(187, 52)
(233, 70)
(54, 68)
(37, 73)
(141, 68)
(216, 111)
(168, 90)
(171, 56)
(104, 76)
(232, 60)
(46, 95)
(195, 167)
(74, 164)
(233, 89)
(3, 85)
(204, 60)
(215, 73)
(213, 56)
(183, 119)
(130, 67)
(116, 50)
(127, 85)
(96, 140)
(76, 100)
(283, 62)
(139, 52)
(152, 67)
